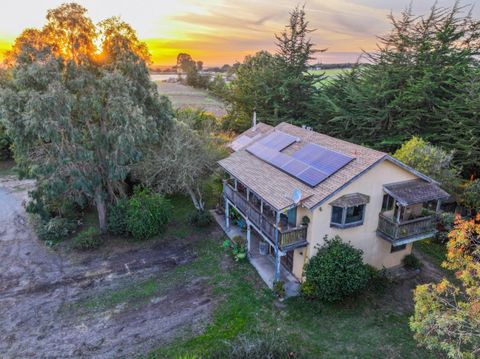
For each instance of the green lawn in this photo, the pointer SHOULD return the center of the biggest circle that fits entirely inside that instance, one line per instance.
(369, 326)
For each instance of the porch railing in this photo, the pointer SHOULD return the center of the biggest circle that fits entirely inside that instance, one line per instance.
(286, 237)
(418, 227)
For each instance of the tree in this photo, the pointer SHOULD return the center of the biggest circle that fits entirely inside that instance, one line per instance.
(185, 62)
(430, 160)
(447, 315)
(79, 121)
(294, 51)
(185, 160)
(471, 196)
(422, 81)
(278, 86)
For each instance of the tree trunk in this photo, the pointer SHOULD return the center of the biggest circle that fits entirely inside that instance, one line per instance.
(101, 210)
(197, 202)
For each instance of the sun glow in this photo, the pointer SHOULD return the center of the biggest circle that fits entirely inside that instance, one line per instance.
(222, 31)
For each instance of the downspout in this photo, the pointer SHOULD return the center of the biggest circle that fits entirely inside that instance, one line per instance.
(277, 250)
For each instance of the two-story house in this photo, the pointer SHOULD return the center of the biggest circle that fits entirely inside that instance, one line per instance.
(294, 186)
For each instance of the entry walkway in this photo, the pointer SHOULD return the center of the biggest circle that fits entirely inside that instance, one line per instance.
(264, 264)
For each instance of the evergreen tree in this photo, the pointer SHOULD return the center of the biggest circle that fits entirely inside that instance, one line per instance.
(421, 82)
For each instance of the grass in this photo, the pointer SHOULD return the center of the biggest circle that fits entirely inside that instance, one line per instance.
(7, 168)
(186, 96)
(436, 252)
(368, 326)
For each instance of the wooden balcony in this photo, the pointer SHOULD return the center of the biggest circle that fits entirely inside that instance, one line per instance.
(288, 239)
(406, 231)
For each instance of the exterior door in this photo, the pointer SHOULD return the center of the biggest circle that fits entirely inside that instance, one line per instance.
(287, 261)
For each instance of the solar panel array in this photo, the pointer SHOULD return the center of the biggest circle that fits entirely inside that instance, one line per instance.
(311, 164)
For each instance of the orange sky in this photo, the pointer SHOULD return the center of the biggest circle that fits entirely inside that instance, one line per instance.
(224, 31)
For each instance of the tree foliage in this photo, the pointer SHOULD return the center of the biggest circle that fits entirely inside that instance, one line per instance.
(430, 160)
(186, 158)
(447, 315)
(422, 81)
(79, 118)
(278, 86)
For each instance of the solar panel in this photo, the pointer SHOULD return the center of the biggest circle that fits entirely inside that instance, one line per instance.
(311, 164)
(280, 160)
(322, 159)
(277, 140)
(312, 176)
(294, 167)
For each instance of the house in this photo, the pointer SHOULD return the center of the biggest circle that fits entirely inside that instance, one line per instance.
(294, 186)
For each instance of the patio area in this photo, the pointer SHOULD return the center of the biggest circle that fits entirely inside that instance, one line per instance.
(263, 263)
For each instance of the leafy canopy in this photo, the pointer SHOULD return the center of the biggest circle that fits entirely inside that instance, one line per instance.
(447, 315)
(79, 117)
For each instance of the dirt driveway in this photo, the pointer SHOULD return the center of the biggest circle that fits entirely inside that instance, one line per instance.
(42, 291)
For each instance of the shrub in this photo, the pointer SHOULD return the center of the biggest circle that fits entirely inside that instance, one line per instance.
(445, 225)
(237, 247)
(264, 347)
(54, 229)
(307, 289)
(201, 219)
(411, 262)
(147, 214)
(378, 279)
(117, 218)
(279, 288)
(336, 271)
(87, 239)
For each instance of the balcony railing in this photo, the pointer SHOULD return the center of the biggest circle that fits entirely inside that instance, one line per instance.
(406, 231)
(286, 237)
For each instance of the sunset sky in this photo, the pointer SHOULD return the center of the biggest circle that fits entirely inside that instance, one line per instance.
(224, 31)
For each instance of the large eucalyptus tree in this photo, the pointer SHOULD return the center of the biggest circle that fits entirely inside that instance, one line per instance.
(80, 114)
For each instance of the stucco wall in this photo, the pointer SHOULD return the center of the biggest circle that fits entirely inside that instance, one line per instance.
(376, 251)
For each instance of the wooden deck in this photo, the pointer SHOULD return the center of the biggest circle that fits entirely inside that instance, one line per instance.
(406, 231)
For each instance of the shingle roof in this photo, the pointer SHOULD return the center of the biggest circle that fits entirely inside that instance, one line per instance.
(415, 191)
(246, 138)
(351, 200)
(276, 187)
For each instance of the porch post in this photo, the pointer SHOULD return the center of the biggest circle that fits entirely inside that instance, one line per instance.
(277, 251)
(439, 203)
(236, 184)
(227, 214)
(249, 229)
(398, 212)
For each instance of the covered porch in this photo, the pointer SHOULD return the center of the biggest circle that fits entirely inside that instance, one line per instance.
(409, 211)
(264, 263)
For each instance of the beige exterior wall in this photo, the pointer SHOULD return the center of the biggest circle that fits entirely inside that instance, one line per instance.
(376, 251)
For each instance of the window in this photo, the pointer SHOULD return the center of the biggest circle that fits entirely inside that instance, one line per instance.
(399, 248)
(344, 217)
(388, 203)
(337, 214)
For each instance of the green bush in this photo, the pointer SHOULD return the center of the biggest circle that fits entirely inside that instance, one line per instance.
(117, 218)
(87, 239)
(336, 271)
(237, 247)
(411, 262)
(261, 347)
(378, 279)
(445, 224)
(201, 219)
(279, 288)
(54, 229)
(147, 214)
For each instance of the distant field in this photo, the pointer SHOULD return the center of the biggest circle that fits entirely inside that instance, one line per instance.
(185, 96)
(329, 73)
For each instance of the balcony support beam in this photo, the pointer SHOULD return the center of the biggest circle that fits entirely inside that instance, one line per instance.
(227, 213)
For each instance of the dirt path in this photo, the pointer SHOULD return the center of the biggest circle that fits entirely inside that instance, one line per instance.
(39, 288)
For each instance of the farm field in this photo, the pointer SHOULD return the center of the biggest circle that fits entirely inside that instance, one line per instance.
(186, 96)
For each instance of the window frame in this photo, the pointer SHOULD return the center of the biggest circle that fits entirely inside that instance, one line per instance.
(344, 223)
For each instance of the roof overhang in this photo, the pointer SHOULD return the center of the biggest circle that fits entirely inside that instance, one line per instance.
(415, 191)
(350, 200)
